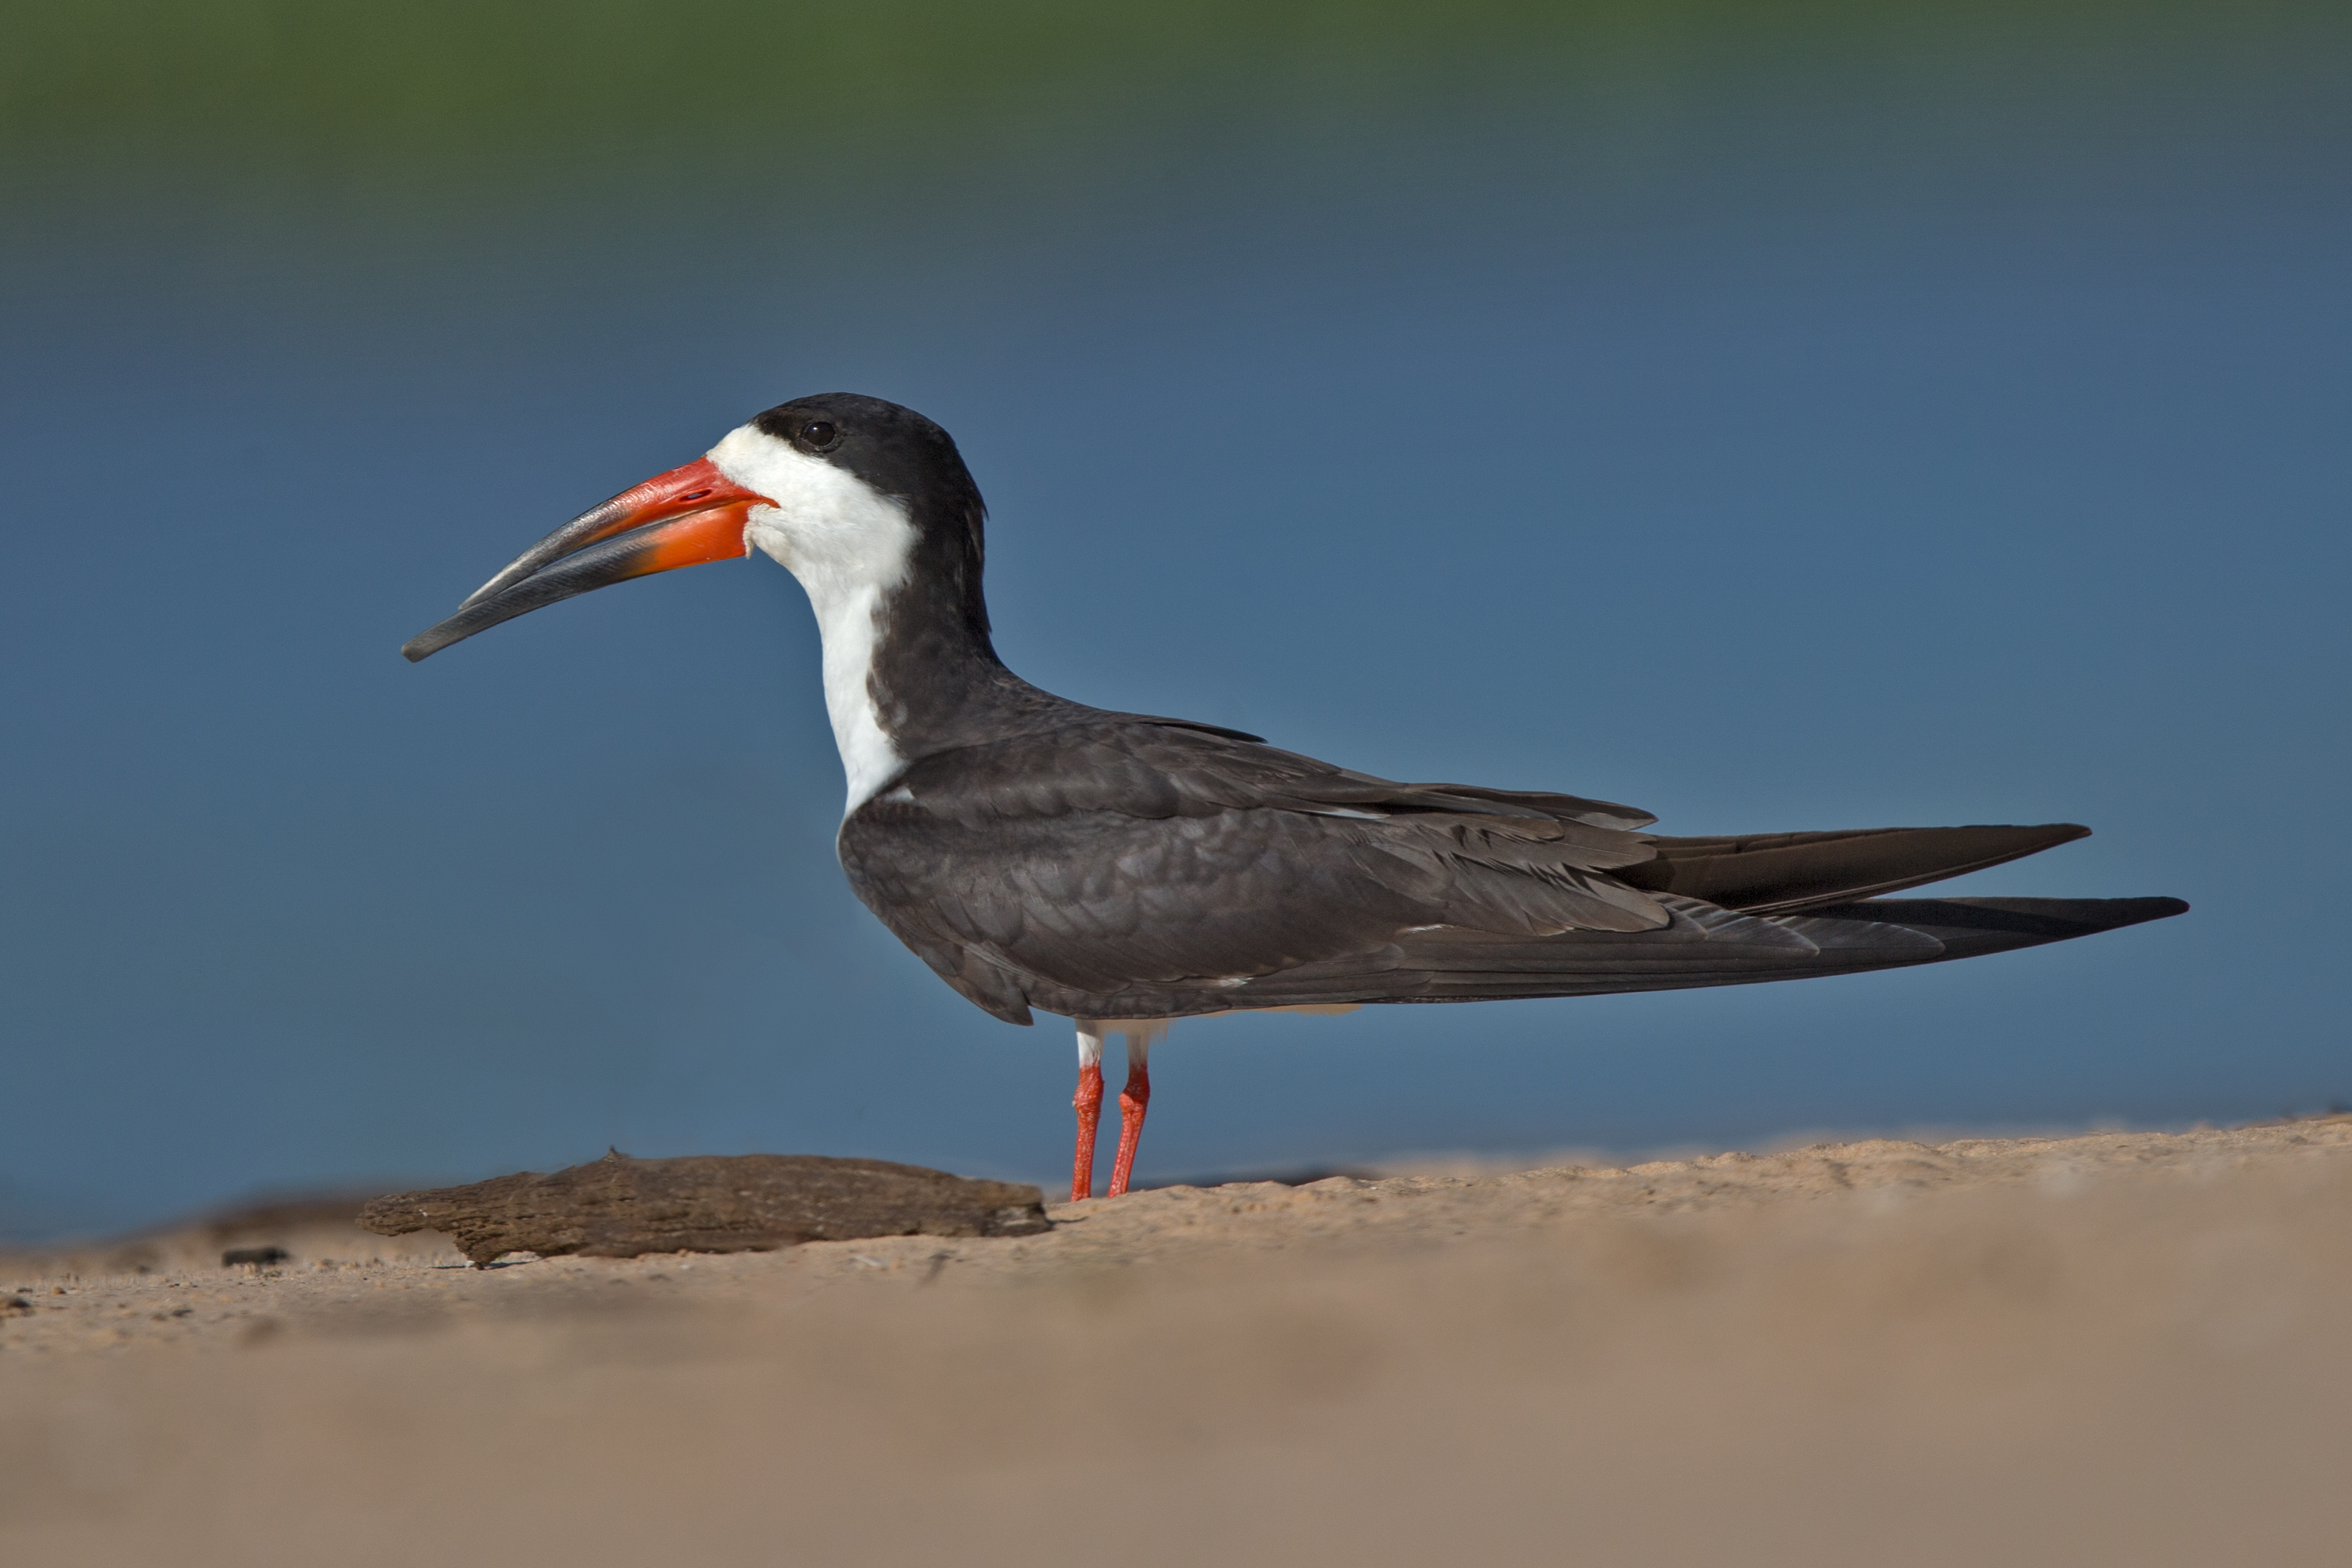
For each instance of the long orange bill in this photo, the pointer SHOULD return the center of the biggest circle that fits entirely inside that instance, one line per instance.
(682, 517)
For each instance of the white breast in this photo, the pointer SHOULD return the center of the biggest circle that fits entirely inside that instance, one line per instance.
(849, 546)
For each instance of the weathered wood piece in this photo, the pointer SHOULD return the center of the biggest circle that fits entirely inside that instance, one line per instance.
(621, 1207)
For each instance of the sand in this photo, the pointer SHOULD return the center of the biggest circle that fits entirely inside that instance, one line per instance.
(2120, 1347)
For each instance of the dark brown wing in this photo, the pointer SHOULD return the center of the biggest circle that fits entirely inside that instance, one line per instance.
(1129, 868)
(1130, 865)
(1704, 946)
(1788, 873)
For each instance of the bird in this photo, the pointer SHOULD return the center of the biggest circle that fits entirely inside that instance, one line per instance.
(1126, 870)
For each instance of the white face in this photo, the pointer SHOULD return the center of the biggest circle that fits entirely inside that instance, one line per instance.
(849, 545)
(827, 523)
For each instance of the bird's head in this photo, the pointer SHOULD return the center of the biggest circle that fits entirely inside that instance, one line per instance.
(846, 492)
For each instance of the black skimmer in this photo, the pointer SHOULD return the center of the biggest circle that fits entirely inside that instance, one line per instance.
(1124, 870)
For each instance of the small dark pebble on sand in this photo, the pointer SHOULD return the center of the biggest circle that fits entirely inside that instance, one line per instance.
(253, 1256)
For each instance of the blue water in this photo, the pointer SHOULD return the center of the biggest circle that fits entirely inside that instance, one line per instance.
(1812, 462)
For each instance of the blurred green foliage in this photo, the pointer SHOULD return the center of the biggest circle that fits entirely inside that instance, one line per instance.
(458, 91)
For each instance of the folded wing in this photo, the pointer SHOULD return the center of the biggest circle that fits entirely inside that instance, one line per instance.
(1131, 868)
(1784, 873)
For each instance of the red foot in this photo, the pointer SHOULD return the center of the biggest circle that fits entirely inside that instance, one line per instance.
(1088, 1103)
(1133, 1100)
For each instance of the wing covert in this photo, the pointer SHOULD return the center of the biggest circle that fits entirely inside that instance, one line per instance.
(1105, 856)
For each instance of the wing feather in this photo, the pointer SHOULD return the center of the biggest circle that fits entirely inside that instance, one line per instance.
(1111, 856)
(1132, 868)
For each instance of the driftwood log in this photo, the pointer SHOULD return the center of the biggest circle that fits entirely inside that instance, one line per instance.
(621, 1207)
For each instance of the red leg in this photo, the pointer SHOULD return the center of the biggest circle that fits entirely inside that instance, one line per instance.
(1088, 1102)
(1133, 1100)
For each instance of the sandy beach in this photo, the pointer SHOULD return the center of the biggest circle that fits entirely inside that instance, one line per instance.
(2121, 1347)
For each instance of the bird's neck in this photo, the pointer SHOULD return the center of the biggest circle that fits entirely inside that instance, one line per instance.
(909, 670)
(853, 623)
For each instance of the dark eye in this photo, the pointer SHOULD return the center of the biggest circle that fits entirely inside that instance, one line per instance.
(819, 433)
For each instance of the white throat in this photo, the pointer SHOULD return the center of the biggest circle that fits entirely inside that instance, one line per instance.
(849, 545)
